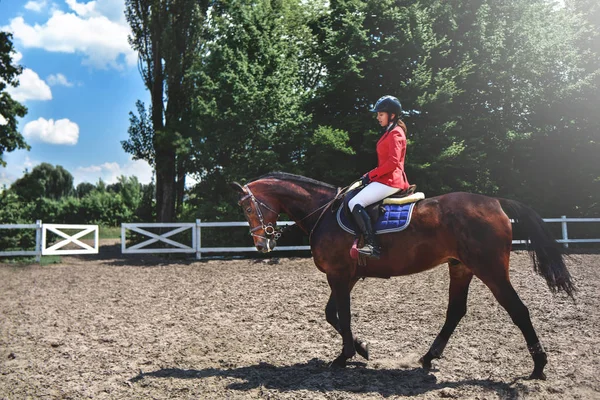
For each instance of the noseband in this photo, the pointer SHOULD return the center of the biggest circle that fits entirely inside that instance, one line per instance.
(271, 233)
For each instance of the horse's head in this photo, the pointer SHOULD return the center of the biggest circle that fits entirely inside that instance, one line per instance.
(261, 217)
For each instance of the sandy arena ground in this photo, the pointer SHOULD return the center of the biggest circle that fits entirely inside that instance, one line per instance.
(109, 327)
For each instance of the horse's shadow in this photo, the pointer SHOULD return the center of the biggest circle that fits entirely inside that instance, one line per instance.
(315, 375)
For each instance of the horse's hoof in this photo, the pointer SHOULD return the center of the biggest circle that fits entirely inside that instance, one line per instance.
(362, 348)
(339, 362)
(538, 375)
(425, 362)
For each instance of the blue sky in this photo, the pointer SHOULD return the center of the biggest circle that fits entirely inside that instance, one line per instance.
(80, 82)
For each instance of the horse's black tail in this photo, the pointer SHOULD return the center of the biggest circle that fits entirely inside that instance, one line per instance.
(545, 251)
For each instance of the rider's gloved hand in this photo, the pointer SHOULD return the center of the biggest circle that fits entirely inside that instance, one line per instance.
(365, 179)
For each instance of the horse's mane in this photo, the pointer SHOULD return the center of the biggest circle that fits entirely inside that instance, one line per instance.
(296, 178)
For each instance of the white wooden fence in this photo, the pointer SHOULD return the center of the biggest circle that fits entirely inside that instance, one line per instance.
(196, 245)
(82, 248)
(37, 252)
(167, 244)
(57, 248)
(174, 246)
(171, 246)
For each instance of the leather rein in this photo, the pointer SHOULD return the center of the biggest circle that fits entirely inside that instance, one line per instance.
(274, 233)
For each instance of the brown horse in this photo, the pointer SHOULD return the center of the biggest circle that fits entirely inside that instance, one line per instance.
(469, 232)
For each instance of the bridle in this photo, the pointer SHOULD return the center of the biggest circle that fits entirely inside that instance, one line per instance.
(271, 232)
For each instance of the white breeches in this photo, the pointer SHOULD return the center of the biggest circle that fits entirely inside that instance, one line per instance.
(372, 193)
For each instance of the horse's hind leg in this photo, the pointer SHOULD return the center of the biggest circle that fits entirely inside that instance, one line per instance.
(331, 314)
(460, 278)
(509, 299)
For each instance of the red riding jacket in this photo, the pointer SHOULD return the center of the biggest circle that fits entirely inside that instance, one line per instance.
(391, 150)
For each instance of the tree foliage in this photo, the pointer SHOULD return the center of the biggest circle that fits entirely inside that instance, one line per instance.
(248, 93)
(166, 35)
(44, 180)
(10, 109)
(140, 143)
(496, 99)
(46, 193)
(499, 96)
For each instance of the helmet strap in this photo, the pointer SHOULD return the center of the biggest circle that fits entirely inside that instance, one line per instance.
(391, 122)
(391, 126)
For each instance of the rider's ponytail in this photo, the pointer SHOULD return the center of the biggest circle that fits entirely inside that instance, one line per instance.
(402, 125)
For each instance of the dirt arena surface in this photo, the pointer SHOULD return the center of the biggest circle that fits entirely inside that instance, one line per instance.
(110, 327)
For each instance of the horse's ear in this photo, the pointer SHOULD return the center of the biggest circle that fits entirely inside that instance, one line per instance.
(237, 187)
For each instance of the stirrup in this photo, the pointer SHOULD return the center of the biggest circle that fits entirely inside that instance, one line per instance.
(370, 251)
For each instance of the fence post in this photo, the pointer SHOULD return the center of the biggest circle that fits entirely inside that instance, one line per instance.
(123, 238)
(198, 239)
(565, 234)
(38, 240)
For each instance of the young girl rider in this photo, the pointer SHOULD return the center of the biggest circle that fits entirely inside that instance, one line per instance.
(389, 177)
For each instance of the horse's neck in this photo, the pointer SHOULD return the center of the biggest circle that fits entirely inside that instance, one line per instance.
(302, 202)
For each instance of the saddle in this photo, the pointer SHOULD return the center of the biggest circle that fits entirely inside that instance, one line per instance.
(376, 210)
(391, 214)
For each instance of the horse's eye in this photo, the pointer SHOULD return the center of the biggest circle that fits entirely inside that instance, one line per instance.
(249, 210)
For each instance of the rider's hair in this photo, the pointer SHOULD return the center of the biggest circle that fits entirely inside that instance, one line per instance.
(402, 125)
(396, 122)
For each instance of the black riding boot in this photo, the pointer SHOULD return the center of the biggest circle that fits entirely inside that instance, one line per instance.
(371, 248)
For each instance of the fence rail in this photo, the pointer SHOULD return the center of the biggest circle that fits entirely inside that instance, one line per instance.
(58, 229)
(41, 242)
(201, 249)
(196, 245)
(565, 240)
(142, 247)
(169, 245)
(37, 252)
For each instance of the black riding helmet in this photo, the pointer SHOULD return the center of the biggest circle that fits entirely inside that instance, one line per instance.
(388, 104)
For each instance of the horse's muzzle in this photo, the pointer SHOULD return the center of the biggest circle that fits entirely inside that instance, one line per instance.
(270, 246)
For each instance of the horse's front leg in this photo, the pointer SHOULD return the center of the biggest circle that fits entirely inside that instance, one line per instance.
(340, 290)
(331, 314)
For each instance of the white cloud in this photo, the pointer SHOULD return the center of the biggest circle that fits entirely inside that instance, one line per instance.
(58, 79)
(36, 6)
(114, 10)
(82, 9)
(61, 131)
(31, 87)
(96, 29)
(16, 164)
(5, 179)
(16, 57)
(109, 172)
(3, 120)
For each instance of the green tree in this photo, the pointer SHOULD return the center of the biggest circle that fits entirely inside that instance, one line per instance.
(103, 207)
(130, 189)
(249, 94)
(83, 189)
(140, 131)
(497, 99)
(373, 48)
(518, 116)
(166, 35)
(582, 119)
(44, 181)
(10, 138)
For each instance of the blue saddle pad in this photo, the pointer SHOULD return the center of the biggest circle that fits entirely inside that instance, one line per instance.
(395, 218)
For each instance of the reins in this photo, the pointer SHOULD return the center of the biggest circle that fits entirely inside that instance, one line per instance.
(340, 193)
(272, 233)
